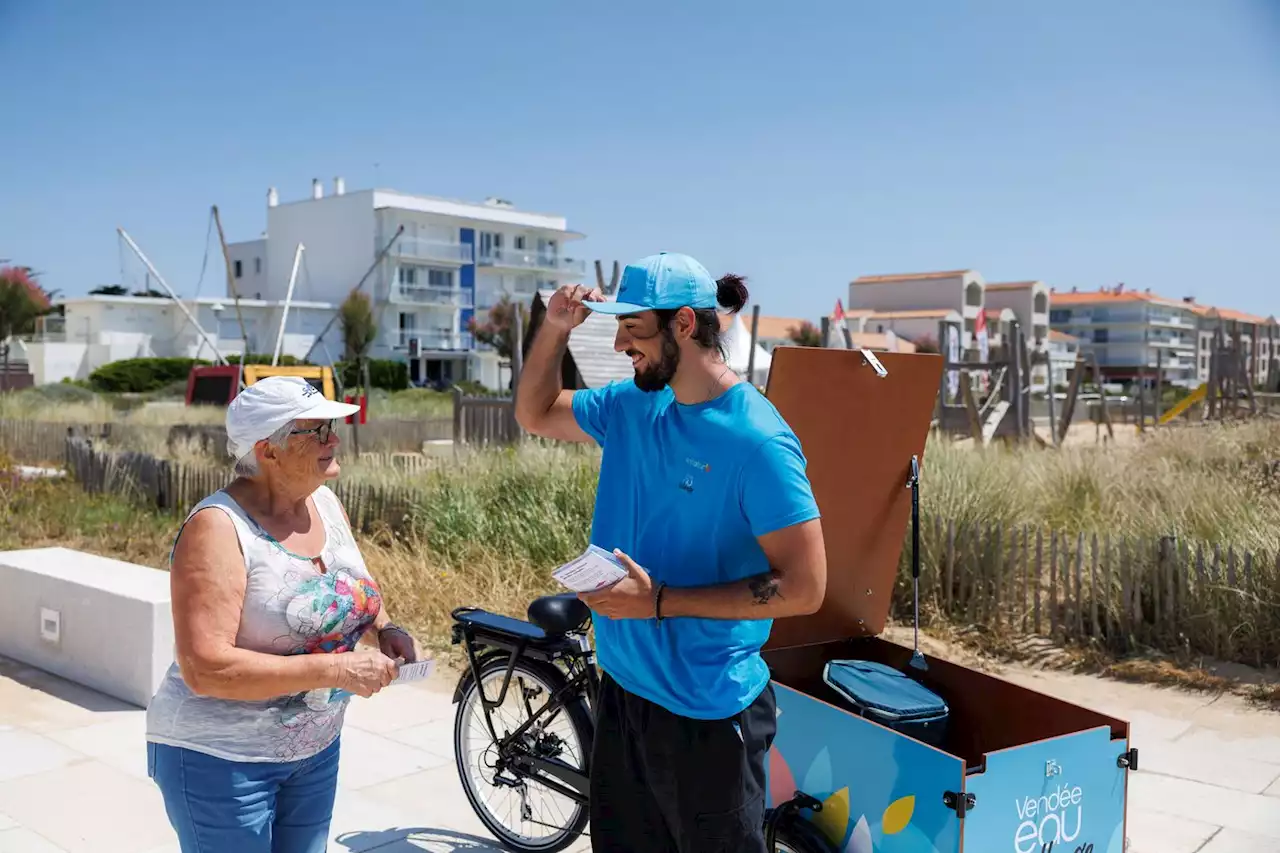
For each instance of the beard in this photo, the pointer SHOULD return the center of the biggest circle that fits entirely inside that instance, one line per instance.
(655, 377)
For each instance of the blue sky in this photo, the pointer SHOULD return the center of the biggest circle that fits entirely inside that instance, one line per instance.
(1082, 143)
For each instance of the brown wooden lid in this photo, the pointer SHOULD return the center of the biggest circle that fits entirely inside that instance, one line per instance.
(858, 431)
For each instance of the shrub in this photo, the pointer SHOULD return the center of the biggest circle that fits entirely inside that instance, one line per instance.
(384, 373)
(141, 374)
(264, 358)
(472, 388)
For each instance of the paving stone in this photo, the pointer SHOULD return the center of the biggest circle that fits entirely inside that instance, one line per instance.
(1153, 832)
(397, 708)
(26, 841)
(1201, 763)
(1182, 798)
(1265, 748)
(435, 737)
(26, 754)
(1233, 841)
(89, 808)
(369, 759)
(1274, 789)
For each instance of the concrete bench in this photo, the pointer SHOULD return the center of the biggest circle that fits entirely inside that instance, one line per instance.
(102, 623)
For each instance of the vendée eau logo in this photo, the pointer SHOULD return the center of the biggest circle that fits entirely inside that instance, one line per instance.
(1051, 822)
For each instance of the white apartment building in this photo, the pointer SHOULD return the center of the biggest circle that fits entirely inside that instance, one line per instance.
(1063, 352)
(1029, 301)
(962, 291)
(95, 330)
(453, 261)
(1125, 329)
(913, 304)
(1259, 337)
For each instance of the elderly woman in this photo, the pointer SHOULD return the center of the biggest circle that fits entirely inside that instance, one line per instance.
(277, 622)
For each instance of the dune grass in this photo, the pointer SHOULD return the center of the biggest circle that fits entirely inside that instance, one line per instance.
(486, 527)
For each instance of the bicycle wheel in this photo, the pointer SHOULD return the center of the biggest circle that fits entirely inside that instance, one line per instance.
(522, 813)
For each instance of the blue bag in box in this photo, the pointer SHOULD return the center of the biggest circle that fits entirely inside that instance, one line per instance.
(886, 696)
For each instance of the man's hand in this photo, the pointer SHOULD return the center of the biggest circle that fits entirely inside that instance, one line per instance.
(565, 310)
(629, 598)
(396, 642)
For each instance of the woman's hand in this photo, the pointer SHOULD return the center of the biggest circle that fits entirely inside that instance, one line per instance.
(366, 671)
(396, 642)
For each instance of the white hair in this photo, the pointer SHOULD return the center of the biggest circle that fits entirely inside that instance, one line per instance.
(247, 465)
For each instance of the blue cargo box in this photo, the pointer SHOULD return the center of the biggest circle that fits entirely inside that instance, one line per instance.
(1014, 770)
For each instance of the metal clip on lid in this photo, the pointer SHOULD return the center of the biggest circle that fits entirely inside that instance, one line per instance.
(875, 363)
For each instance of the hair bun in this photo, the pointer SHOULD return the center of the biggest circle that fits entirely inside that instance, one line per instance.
(731, 292)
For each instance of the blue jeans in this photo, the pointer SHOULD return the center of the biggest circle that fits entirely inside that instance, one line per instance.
(220, 806)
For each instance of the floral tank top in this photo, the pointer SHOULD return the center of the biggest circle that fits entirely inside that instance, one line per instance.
(290, 607)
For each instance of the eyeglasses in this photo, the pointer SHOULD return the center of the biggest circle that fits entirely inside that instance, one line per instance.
(321, 432)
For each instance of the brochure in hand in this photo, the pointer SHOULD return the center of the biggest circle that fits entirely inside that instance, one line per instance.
(595, 570)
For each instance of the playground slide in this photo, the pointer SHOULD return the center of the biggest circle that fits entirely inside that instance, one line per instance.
(993, 421)
(1187, 402)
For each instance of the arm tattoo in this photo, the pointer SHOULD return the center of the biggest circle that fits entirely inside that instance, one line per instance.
(764, 588)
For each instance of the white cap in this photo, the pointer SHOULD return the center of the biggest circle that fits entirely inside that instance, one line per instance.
(269, 404)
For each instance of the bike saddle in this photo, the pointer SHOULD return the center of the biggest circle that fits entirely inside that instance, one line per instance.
(558, 614)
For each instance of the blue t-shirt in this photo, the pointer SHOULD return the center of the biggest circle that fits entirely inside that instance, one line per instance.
(684, 491)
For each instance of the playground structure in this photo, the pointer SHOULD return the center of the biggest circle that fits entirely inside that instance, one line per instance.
(987, 395)
(990, 398)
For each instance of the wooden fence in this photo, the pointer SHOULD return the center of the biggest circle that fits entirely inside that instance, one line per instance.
(1119, 592)
(44, 442)
(172, 487)
(484, 420)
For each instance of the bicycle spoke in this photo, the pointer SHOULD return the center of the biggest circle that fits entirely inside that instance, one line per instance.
(528, 810)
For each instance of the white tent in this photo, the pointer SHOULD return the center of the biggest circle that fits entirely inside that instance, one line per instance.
(737, 339)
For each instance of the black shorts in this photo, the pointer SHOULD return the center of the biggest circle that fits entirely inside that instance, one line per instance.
(662, 782)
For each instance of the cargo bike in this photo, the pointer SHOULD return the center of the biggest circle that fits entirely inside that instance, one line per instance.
(878, 750)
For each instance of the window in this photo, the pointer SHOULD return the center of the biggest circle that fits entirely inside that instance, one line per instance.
(239, 269)
(519, 242)
(1041, 303)
(1058, 316)
(408, 275)
(440, 278)
(1100, 336)
(257, 266)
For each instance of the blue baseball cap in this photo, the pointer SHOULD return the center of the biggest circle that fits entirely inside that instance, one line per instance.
(665, 280)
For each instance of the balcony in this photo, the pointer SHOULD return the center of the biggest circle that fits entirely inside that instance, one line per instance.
(434, 339)
(451, 297)
(438, 251)
(50, 328)
(1173, 343)
(523, 259)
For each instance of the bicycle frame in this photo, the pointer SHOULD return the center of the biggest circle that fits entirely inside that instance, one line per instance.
(572, 649)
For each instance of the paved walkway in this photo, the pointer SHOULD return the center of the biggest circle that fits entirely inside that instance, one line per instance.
(73, 771)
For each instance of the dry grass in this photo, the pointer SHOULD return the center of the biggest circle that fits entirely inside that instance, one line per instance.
(981, 647)
(488, 526)
(486, 532)
(1214, 484)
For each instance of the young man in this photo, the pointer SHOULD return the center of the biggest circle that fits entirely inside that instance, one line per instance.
(703, 496)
